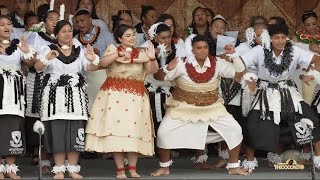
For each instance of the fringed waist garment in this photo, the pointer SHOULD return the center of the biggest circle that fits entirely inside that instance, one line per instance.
(73, 86)
(11, 78)
(276, 97)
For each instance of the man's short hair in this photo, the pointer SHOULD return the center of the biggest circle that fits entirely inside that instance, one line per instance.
(278, 29)
(82, 11)
(199, 38)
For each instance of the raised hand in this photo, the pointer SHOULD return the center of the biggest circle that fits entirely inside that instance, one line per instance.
(306, 78)
(252, 85)
(151, 51)
(52, 54)
(90, 55)
(229, 49)
(24, 47)
(172, 64)
(96, 51)
(314, 47)
(168, 49)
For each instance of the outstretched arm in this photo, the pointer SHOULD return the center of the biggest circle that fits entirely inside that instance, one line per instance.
(42, 63)
(316, 61)
(93, 58)
(152, 65)
(29, 56)
(109, 56)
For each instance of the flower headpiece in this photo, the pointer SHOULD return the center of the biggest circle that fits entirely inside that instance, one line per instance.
(250, 35)
(265, 37)
(62, 10)
(153, 29)
(37, 27)
(188, 44)
(51, 5)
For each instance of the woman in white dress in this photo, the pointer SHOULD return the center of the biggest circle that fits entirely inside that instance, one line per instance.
(64, 104)
(12, 97)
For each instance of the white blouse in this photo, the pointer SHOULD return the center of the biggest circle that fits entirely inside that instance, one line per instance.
(12, 63)
(223, 69)
(56, 68)
(256, 57)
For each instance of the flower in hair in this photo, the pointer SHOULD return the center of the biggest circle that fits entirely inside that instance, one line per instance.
(153, 29)
(62, 10)
(250, 36)
(188, 45)
(51, 5)
(265, 39)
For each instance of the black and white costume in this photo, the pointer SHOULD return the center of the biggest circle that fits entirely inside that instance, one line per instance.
(38, 40)
(64, 104)
(12, 105)
(278, 107)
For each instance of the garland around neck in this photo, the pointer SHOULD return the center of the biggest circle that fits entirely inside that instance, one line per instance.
(47, 38)
(91, 41)
(201, 77)
(307, 39)
(15, 22)
(75, 52)
(286, 59)
(13, 46)
(5, 42)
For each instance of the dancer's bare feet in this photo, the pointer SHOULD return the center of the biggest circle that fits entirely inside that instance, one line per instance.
(204, 166)
(59, 175)
(221, 164)
(1, 176)
(75, 175)
(133, 172)
(238, 171)
(161, 171)
(121, 173)
(13, 176)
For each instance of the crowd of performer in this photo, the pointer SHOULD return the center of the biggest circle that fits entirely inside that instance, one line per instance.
(140, 90)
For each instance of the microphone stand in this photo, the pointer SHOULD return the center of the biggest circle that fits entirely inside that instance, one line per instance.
(313, 168)
(40, 155)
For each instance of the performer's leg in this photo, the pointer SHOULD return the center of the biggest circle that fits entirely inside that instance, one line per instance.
(316, 158)
(317, 148)
(133, 158)
(45, 161)
(12, 168)
(165, 163)
(274, 157)
(119, 159)
(230, 130)
(249, 153)
(200, 161)
(73, 167)
(250, 163)
(59, 168)
(223, 155)
(305, 155)
(234, 165)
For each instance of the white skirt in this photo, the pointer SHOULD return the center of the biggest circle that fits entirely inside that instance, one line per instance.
(178, 134)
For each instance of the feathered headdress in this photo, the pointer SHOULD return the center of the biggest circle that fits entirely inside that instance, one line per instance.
(265, 37)
(62, 10)
(188, 43)
(153, 29)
